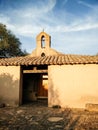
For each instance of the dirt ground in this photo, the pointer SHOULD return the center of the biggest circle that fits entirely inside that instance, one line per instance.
(35, 116)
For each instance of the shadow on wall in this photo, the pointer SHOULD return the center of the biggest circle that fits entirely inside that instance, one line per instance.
(9, 90)
(53, 95)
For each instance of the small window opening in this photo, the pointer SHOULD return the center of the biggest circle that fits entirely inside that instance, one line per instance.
(43, 54)
(43, 42)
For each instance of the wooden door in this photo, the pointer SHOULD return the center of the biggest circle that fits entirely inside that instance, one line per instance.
(43, 86)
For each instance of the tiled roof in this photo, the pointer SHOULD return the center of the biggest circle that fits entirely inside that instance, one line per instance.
(49, 60)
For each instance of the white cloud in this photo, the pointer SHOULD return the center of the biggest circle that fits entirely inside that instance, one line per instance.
(82, 27)
(27, 30)
(4, 19)
(38, 10)
(64, 2)
(33, 19)
(86, 4)
(83, 42)
(29, 20)
(36, 17)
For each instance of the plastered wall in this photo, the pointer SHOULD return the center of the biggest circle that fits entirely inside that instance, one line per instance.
(9, 85)
(73, 85)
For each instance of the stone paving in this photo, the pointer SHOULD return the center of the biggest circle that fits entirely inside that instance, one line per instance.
(37, 117)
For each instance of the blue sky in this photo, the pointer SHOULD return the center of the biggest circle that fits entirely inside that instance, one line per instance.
(72, 24)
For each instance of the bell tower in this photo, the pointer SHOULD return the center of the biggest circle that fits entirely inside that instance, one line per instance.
(43, 44)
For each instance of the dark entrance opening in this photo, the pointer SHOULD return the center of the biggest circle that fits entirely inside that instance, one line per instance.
(35, 88)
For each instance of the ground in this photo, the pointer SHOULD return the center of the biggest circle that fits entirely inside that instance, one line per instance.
(35, 116)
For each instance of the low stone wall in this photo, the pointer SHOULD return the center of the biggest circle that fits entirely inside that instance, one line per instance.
(91, 107)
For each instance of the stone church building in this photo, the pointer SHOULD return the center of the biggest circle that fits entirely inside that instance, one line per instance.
(65, 80)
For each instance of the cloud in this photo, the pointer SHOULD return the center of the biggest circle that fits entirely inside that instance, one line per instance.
(35, 17)
(64, 2)
(4, 19)
(26, 29)
(86, 4)
(83, 42)
(29, 21)
(34, 11)
(83, 25)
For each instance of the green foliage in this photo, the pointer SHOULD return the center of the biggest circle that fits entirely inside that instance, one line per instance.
(9, 43)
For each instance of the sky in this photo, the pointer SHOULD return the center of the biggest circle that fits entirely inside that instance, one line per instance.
(72, 24)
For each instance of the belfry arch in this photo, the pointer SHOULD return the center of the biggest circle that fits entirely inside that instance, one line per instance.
(43, 42)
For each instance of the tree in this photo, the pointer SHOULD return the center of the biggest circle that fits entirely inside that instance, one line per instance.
(9, 43)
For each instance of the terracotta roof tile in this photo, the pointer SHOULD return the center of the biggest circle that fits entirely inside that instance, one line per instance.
(49, 60)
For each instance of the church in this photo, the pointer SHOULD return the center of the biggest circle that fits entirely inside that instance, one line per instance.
(64, 80)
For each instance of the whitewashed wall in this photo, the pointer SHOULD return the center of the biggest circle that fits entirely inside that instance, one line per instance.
(9, 85)
(73, 85)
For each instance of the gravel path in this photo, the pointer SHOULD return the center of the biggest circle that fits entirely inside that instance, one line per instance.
(38, 117)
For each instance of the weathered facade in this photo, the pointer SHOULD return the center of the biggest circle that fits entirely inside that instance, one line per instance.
(65, 80)
(9, 85)
(73, 85)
